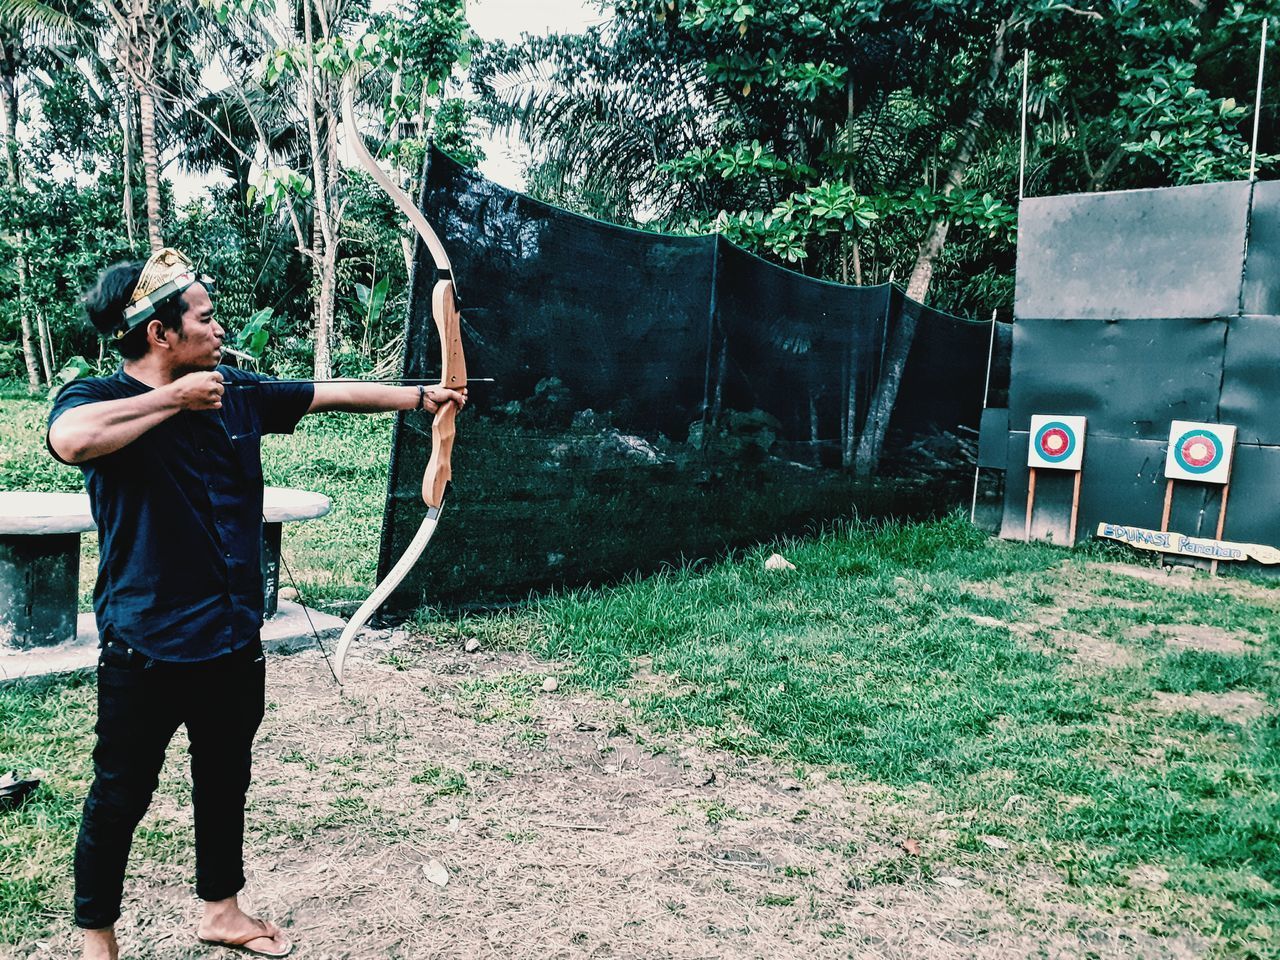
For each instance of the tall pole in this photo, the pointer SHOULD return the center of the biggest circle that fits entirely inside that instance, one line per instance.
(986, 389)
(1257, 105)
(1022, 160)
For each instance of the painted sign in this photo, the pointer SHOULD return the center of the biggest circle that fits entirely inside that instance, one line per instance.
(1057, 443)
(1176, 543)
(1200, 451)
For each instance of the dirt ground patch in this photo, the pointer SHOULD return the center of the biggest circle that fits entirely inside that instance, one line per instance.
(1170, 576)
(568, 832)
(1189, 579)
(1237, 705)
(1196, 637)
(1090, 652)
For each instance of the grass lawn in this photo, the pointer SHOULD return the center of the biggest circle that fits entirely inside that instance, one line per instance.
(919, 743)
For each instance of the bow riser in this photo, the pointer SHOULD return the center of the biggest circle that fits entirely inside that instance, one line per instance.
(453, 369)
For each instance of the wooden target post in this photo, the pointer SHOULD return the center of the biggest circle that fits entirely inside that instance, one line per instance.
(1057, 443)
(1200, 453)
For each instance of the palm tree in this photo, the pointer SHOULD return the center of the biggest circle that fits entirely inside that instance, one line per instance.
(26, 26)
(152, 44)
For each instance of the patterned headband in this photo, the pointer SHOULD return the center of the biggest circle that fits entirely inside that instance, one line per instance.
(166, 274)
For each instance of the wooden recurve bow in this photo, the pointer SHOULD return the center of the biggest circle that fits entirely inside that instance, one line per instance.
(453, 366)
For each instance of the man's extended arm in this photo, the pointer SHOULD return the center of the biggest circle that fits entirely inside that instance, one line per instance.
(356, 397)
(94, 430)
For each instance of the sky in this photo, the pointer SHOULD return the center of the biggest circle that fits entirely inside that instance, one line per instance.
(491, 20)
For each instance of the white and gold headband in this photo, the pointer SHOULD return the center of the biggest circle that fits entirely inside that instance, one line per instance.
(166, 274)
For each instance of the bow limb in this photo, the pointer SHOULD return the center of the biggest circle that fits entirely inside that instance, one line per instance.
(398, 196)
(453, 367)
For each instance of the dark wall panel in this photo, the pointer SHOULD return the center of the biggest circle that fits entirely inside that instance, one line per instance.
(1132, 310)
(1253, 508)
(1130, 378)
(1134, 254)
(1251, 381)
(993, 442)
(1262, 266)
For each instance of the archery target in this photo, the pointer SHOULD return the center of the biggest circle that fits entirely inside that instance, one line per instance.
(1057, 443)
(1200, 451)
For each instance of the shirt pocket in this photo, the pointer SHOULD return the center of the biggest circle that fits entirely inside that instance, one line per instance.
(247, 450)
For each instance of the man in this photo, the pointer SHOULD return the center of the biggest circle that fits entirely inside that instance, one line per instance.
(169, 447)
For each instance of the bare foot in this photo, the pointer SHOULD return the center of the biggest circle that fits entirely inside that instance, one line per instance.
(101, 944)
(224, 922)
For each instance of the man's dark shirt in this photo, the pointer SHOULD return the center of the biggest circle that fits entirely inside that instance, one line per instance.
(179, 515)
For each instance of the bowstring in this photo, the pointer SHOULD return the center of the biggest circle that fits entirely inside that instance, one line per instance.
(315, 634)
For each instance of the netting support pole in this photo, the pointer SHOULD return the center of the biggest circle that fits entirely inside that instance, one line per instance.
(1022, 159)
(986, 389)
(712, 308)
(1257, 108)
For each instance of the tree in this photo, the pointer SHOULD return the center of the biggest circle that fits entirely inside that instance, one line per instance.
(858, 139)
(153, 47)
(310, 50)
(26, 30)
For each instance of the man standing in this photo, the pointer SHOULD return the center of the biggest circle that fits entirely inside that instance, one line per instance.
(172, 464)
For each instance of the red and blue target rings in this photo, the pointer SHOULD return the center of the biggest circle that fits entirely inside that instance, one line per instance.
(1056, 441)
(1198, 451)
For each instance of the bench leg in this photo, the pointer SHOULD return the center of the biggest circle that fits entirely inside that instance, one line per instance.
(39, 589)
(270, 569)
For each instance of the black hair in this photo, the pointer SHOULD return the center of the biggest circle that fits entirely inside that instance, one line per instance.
(105, 301)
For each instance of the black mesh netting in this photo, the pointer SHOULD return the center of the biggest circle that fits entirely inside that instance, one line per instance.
(657, 398)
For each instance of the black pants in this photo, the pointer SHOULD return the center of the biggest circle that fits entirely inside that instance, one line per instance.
(141, 704)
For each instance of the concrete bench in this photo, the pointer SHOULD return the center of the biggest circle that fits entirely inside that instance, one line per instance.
(40, 559)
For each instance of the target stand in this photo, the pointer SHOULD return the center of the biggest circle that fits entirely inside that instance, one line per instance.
(1057, 443)
(1200, 453)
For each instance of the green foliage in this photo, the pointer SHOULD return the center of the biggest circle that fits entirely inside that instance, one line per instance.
(253, 336)
(276, 185)
(823, 133)
(74, 369)
(1193, 136)
(371, 300)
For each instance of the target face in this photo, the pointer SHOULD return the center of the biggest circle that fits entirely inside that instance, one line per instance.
(1056, 442)
(1200, 451)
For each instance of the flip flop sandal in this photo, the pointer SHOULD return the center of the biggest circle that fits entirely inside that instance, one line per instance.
(240, 944)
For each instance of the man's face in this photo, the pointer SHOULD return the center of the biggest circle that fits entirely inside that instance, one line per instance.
(198, 345)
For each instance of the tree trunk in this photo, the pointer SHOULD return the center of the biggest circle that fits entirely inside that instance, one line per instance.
(324, 315)
(1098, 181)
(150, 164)
(722, 368)
(9, 109)
(325, 263)
(126, 150)
(28, 338)
(850, 410)
(814, 439)
(46, 347)
(871, 443)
